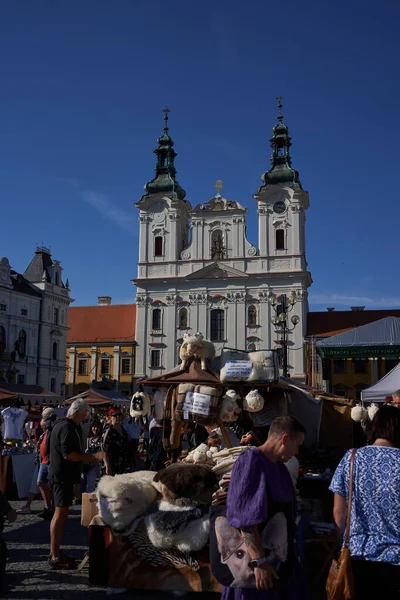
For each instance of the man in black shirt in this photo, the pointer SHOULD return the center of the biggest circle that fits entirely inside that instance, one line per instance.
(64, 472)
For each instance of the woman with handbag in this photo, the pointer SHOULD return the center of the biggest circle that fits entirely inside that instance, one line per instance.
(372, 523)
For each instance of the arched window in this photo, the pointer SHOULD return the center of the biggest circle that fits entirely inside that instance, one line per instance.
(158, 245)
(2, 340)
(251, 347)
(217, 245)
(21, 343)
(156, 318)
(252, 315)
(55, 351)
(217, 325)
(183, 318)
(280, 239)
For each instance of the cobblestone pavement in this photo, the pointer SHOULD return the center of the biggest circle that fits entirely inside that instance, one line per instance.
(27, 570)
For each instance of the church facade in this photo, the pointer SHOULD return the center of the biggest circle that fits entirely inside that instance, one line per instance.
(197, 271)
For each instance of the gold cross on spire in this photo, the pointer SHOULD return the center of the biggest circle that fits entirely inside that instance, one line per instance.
(166, 111)
(279, 99)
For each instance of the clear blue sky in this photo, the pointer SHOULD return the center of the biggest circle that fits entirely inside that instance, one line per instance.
(82, 88)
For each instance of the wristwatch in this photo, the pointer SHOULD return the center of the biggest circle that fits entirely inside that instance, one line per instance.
(254, 564)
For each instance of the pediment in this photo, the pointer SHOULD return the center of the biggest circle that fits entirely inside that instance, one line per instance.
(217, 270)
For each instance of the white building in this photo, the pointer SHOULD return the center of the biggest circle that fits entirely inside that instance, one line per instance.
(34, 323)
(197, 270)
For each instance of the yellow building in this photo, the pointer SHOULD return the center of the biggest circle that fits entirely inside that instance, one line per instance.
(101, 344)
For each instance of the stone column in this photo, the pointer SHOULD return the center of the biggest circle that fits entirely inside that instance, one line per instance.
(116, 366)
(71, 373)
(93, 366)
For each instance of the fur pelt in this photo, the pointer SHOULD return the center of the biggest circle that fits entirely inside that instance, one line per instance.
(186, 528)
(253, 402)
(124, 499)
(372, 410)
(202, 455)
(195, 346)
(359, 413)
(140, 405)
(229, 407)
(185, 484)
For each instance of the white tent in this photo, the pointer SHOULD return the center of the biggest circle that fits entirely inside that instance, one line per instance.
(384, 387)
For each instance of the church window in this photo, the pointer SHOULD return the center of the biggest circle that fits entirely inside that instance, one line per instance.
(251, 315)
(158, 245)
(251, 347)
(155, 359)
(156, 318)
(126, 366)
(21, 343)
(280, 239)
(217, 326)
(2, 340)
(360, 366)
(55, 351)
(217, 245)
(281, 152)
(3, 307)
(53, 384)
(56, 314)
(183, 318)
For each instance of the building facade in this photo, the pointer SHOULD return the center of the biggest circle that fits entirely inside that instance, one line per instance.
(197, 271)
(34, 323)
(101, 345)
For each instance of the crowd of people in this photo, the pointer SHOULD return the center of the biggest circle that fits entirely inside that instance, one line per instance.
(260, 487)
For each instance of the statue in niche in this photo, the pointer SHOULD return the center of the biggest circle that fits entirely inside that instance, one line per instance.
(217, 245)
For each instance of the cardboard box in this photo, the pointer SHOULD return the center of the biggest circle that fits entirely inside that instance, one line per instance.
(89, 508)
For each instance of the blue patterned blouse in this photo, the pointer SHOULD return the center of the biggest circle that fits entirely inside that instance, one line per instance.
(375, 512)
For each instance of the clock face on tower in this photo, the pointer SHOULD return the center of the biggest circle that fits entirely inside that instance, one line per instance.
(158, 212)
(279, 207)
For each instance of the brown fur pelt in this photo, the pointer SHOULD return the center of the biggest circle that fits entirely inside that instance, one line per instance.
(187, 484)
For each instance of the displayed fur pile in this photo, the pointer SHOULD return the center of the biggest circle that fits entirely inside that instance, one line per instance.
(230, 409)
(124, 499)
(202, 455)
(253, 402)
(372, 410)
(195, 346)
(140, 405)
(182, 520)
(359, 413)
(250, 367)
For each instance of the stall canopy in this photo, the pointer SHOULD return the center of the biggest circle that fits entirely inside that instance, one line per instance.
(384, 387)
(101, 398)
(380, 338)
(192, 373)
(26, 393)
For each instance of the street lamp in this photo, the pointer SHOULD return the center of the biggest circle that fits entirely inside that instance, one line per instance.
(282, 306)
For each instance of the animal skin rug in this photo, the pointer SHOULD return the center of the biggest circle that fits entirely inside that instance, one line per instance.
(124, 499)
(183, 527)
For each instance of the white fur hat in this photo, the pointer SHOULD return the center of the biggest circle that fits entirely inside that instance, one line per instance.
(253, 402)
(372, 410)
(359, 413)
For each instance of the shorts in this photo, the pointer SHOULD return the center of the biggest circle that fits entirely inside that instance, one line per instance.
(43, 475)
(63, 493)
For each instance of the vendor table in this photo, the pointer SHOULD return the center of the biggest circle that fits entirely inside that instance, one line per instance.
(16, 469)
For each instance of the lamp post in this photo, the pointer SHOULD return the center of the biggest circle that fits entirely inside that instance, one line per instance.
(282, 306)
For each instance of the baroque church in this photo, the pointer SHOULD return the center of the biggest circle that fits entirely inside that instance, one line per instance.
(197, 271)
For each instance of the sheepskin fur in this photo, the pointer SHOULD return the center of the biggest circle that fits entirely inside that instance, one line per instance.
(372, 410)
(184, 484)
(186, 528)
(253, 402)
(202, 455)
(359, 413)
(195, 346)
(140, 405)
(230, 409)
(124, 499)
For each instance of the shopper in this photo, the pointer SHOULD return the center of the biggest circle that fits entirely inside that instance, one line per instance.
(65, 469)
(115, 444)
(375, 516)
(43, 449)
(94, 445)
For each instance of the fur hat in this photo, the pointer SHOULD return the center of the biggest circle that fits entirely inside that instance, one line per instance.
(140, 405)
(359, 413)
(372, 410)
(186, 484)
(253, 402)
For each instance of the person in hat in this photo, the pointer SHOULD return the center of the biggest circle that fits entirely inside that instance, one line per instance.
(115, 444)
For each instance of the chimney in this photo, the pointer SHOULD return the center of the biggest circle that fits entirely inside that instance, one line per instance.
(104, 300)
(330, 308)
(357, 308)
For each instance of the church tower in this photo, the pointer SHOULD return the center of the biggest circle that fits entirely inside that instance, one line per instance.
(216, 280)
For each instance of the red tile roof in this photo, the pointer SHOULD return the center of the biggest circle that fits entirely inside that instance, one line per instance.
(327, 323)
(111, 323)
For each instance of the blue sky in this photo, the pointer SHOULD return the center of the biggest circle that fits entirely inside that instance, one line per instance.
(82, 88)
